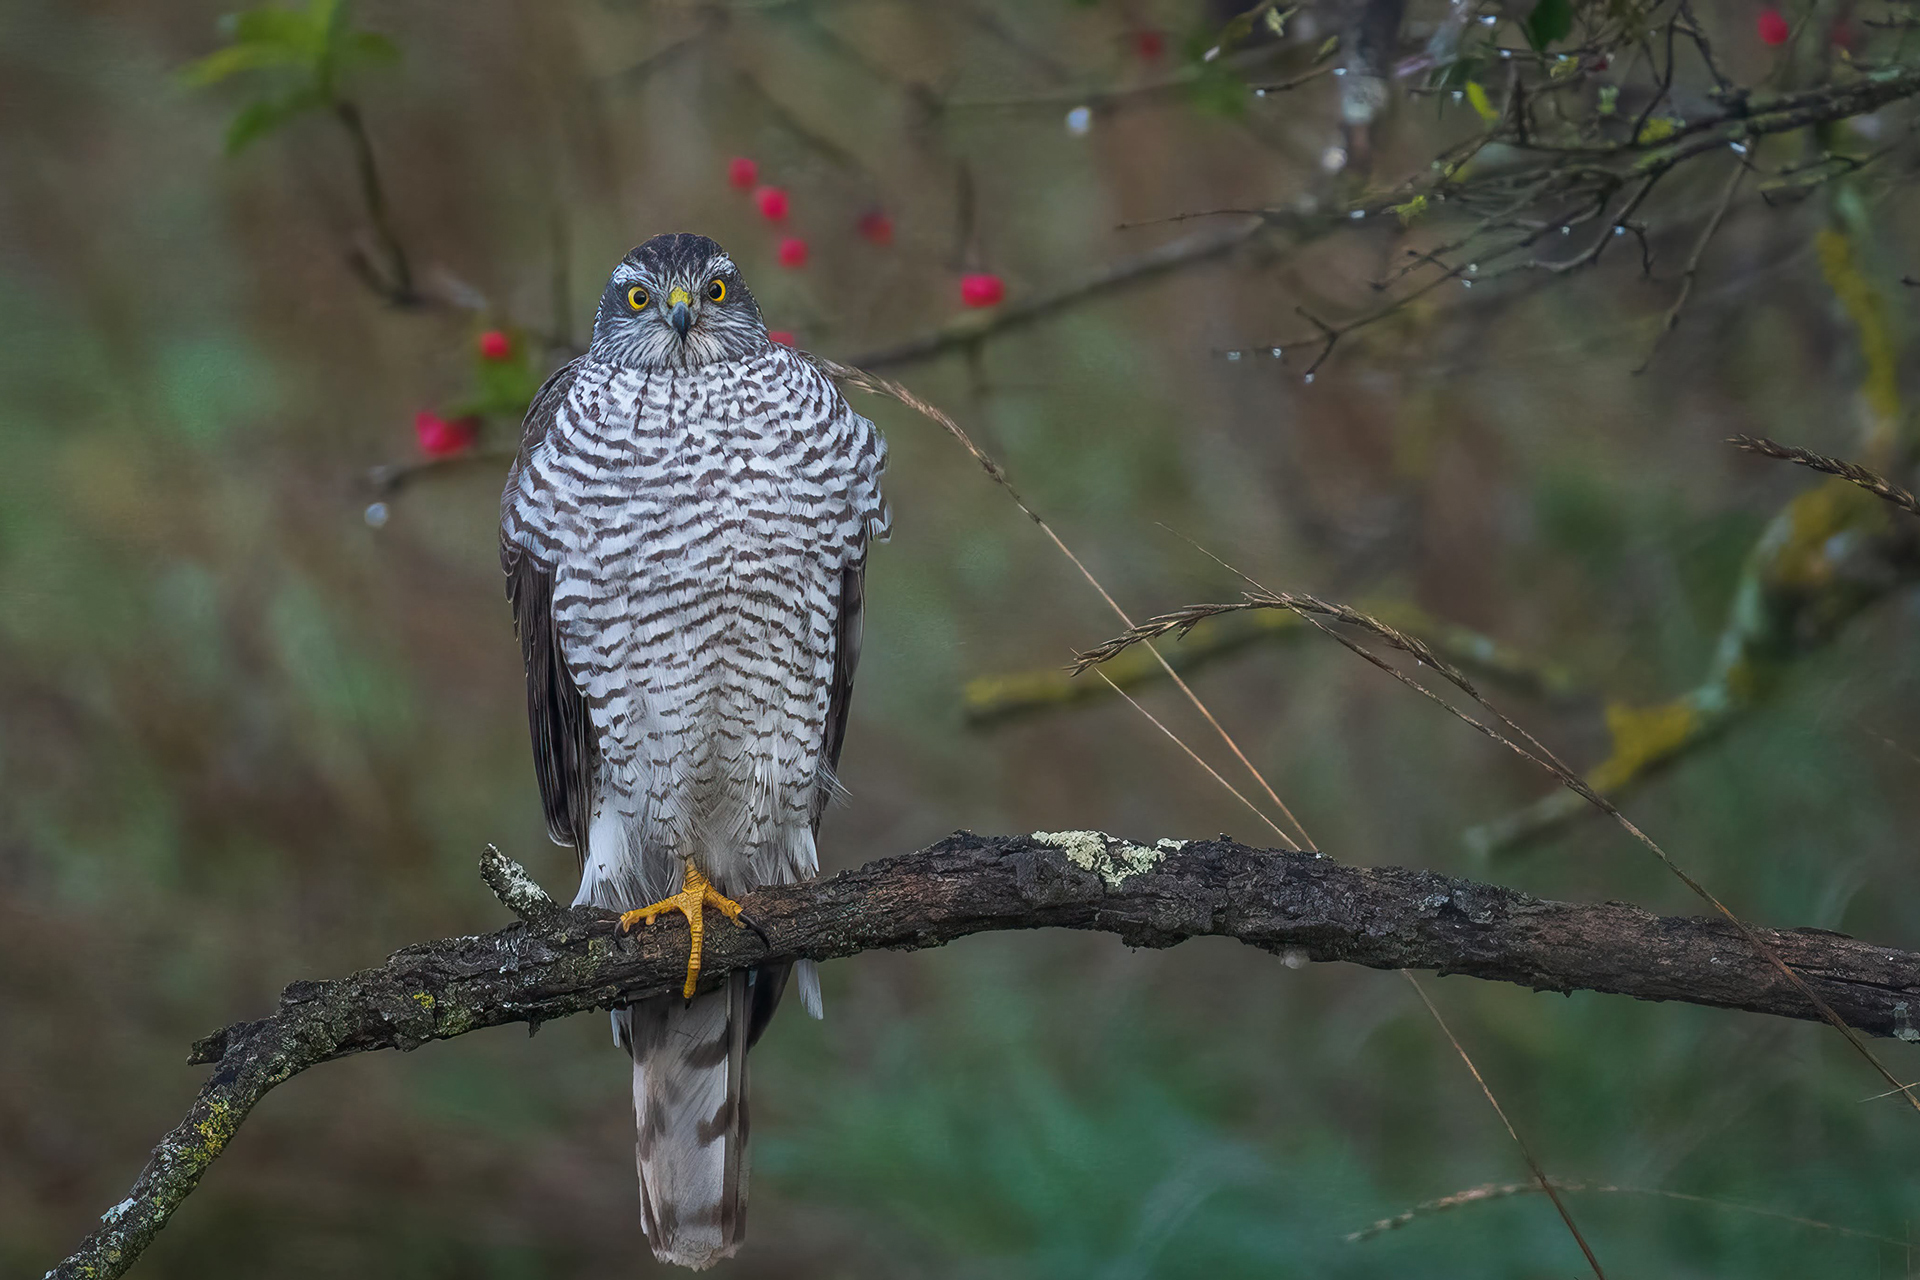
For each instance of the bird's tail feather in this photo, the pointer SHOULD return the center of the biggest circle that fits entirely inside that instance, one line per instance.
(690, 1112)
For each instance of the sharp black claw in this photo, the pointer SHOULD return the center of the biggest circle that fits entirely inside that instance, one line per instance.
(760, 933)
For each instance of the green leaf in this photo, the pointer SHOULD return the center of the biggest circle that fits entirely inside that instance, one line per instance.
(257, 119)
(235, 58)
(1482, 105)
(287, 28)
(506, 388)
(319, 40)
(1657, 129)
(1550, 20)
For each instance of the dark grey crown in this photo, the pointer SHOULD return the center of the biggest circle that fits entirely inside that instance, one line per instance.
(727, 329)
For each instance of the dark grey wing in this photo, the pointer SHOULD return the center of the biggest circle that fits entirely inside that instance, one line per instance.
(564, 751)
(846, 657)
(563, 741)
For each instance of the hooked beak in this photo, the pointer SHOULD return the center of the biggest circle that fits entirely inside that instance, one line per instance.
(678, 314)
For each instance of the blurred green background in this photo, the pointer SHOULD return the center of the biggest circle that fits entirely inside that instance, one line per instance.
(246, 737)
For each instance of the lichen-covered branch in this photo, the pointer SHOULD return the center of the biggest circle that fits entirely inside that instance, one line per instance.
(554, 962)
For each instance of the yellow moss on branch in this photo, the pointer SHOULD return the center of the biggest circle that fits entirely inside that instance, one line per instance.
(1829, 553)
(1880, 381)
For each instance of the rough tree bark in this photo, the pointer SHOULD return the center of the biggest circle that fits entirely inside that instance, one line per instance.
(554, 962)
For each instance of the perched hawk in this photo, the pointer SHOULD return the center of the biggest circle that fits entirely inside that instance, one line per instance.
(684, 535)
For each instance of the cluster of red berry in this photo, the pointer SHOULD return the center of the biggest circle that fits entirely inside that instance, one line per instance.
(440, 437)
(977, 289)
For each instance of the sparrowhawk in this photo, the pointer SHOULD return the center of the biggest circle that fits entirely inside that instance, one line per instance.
(684, 535)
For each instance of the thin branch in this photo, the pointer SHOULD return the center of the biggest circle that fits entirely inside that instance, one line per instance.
(979, 326)
(391, 477)
(551, 966)
(1692, 269)
(1098, 98)
(395, 282)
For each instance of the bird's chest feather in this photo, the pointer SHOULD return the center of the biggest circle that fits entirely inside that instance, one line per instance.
(707, 516)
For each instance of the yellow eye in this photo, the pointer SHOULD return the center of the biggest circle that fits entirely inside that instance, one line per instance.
(637, 298)
(717, 289)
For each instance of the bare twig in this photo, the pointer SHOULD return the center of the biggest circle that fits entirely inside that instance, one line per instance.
(979, 326)
(1692, 269)
(395, 281)
(390, 477)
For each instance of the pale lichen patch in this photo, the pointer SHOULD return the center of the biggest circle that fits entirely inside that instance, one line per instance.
(1112, 859)
(1903, 1024)
(517, 890)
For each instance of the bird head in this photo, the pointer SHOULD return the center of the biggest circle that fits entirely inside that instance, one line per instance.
(674, 302)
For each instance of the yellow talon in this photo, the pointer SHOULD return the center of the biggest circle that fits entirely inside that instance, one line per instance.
(695, 894)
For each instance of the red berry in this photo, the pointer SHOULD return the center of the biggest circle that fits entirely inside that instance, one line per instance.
(1149, 45)
(772, 202)
(440, 438)
(982, 290)
(781, 336)
(1772, 26)
(876, 226)
(495, 345)
(742, 173)
(793, 252)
